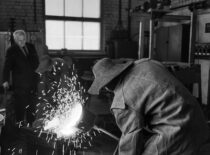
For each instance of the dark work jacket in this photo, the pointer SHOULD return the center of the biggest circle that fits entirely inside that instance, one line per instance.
(22, 67)
(156, 114)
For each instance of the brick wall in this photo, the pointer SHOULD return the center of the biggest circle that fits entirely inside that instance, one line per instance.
(23, 12)
(111, 14)
(28, 15)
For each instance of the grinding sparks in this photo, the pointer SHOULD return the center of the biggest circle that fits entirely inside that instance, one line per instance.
(62, 106)
(64, 124)
(59, 113)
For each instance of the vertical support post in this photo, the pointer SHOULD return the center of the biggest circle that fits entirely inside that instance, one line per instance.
(141, 39)
(192, 36)
(129, 20)
(208, 92)
(151, 38)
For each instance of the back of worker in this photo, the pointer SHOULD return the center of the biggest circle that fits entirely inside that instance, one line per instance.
(156, 113)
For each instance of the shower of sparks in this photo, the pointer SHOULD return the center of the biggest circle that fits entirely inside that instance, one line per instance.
(59, 111)
(64, 111)
(63, 124)
(61, 105)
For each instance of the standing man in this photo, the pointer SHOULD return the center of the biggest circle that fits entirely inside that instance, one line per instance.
(21, 63)
(156, 114)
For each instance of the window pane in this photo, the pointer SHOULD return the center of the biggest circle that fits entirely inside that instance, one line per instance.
(54, 34)
(91, 8)
(91, 36)
(74, 35)
(54, 7)
(73, 8)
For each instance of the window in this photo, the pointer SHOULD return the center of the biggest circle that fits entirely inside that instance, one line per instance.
(73, 24)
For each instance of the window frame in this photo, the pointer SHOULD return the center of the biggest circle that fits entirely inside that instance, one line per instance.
(81, 19)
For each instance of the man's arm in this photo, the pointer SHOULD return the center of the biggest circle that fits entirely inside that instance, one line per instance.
(7, 68)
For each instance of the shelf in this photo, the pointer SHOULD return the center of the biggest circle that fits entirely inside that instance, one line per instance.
(207, 57)
(164, 16)
(181, 4)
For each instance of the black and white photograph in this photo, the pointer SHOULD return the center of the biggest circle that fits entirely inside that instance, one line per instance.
(104, 77)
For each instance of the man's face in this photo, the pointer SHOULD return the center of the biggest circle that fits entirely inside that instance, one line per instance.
(21, 40)
(110, 87)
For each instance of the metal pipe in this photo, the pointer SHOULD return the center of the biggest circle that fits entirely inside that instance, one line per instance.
(106, 132)
(35, 12)
(129, 19)
(119, 13)
(151, 39)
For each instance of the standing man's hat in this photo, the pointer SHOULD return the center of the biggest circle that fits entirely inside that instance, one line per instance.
(105, 70)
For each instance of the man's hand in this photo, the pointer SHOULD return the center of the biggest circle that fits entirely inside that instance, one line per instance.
(5, 85)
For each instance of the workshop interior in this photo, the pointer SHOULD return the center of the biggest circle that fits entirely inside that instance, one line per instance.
(80, 33)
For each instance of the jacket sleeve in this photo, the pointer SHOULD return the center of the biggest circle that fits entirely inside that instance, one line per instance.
(131, 125)
(173, 117)
(8, 64)
(155, 118)
(177, 118)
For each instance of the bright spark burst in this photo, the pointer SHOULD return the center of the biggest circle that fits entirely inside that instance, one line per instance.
(62, 117)
(64, 124)
(61, 107)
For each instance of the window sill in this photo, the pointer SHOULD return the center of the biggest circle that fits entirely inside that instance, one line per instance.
(78, 53)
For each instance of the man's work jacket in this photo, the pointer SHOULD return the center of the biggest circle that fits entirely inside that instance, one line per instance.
(157, 114)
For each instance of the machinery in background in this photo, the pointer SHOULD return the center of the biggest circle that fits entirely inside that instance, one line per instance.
(202, 50)
(120, 44)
